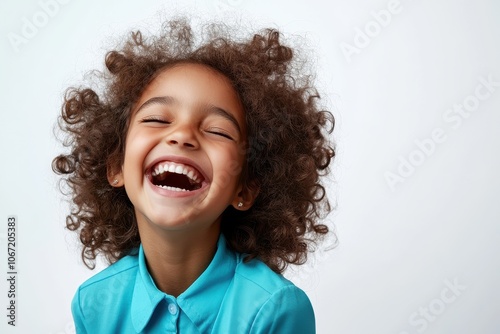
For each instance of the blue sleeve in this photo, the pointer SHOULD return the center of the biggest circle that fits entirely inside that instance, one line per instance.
(76, 310)
(287, 311)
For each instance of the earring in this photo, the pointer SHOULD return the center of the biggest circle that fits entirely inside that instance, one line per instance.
(115, 182)
(240, 204)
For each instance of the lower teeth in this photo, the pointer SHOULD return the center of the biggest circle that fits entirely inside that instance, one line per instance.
(172, 188)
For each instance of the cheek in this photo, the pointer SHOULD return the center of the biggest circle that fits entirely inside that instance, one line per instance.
(135, 151)
(235, 167)
(229, 165)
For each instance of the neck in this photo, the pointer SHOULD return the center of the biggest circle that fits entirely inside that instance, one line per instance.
(176, 259)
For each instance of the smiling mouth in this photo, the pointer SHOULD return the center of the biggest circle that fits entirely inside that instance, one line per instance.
(176, 177)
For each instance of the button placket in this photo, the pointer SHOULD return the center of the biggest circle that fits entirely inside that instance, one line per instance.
(172, 308)
(171, 312)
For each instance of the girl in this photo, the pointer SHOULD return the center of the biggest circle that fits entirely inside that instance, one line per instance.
(196, 172)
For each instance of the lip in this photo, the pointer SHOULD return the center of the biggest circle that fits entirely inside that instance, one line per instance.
(181, 160)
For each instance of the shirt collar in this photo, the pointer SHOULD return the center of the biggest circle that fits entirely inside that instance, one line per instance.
(213, 282)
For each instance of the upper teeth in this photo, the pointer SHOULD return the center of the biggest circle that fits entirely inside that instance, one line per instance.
(178, 169)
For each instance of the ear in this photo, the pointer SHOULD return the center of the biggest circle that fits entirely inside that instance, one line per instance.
(115, 176)
(246, 196)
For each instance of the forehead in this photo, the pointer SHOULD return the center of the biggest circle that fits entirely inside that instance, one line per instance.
(194, 76)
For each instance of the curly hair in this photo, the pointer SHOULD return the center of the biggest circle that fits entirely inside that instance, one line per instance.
(288, 147)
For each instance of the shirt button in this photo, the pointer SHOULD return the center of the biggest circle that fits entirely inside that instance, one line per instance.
(172, 308)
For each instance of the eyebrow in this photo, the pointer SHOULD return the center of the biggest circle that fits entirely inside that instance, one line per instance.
(165, 100)
(207, 109)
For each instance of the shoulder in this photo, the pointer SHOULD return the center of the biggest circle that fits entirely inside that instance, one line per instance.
(108, 286)
(272, 287)
(275, 303)
(256, 273)
(122, 270)
(105, 294)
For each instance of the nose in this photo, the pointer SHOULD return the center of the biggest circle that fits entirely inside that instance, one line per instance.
(182, 135)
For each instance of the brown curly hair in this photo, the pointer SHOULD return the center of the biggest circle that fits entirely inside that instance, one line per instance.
(288, 148)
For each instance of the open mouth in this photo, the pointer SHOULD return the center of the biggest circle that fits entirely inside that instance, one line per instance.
(176, 176)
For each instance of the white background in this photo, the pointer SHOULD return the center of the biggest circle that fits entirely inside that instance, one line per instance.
(400, 247)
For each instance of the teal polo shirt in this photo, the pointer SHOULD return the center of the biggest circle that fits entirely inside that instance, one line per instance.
(229, 297)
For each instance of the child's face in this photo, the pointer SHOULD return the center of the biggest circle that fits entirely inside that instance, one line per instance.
(189, 120)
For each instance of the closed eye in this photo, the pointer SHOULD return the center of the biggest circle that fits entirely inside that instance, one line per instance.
(220, 133)
(155, 120)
